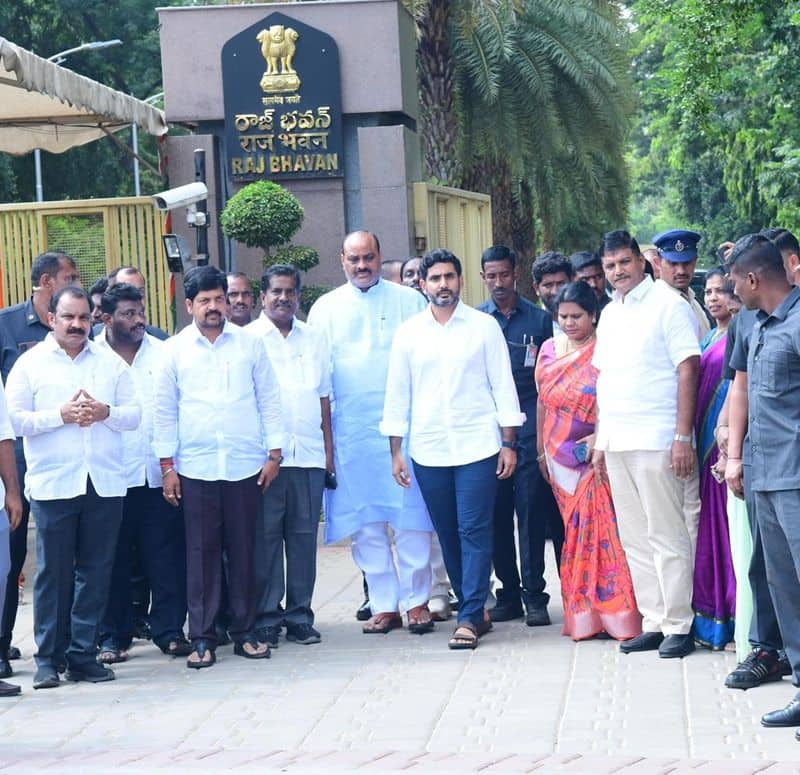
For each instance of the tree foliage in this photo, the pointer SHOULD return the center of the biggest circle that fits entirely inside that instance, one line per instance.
(717, 146)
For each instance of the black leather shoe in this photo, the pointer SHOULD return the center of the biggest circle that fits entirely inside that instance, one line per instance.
(5, 668)
(9, 690)
(537, 616)
(14, 653)
(647, 641)
(506, 611)
(676, 646)
(91, 672)
(364, 613)
(46, 677)
(785, 717)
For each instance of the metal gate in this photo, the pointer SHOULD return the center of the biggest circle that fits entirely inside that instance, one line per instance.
(101, 234)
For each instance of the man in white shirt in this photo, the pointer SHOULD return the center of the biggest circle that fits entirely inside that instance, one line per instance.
(289, 518)
(358, 320)
(450, 390)
(70, 400)
(218, 436)
(648, 357)
(150, 529)
(10, 511)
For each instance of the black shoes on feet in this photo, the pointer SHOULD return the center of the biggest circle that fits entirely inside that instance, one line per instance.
(5, 668)
(647, 641)
(676, 646)
(90, 671)
(9, 690)
(537, 616)
(759, 667)
(785, 717)
(304, 634)
(364, 613)
(506, 611)
(46, 677)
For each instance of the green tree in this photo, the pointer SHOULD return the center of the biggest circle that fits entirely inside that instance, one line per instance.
(528, 101)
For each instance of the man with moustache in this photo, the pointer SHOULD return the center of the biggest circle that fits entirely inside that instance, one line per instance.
(240, 298)
(132, 276)
(359, 320)
(289, 516)
(71, 400)
(21, 327)
(218, 435)
(149, 528)
(409, 272)
(677, 250)
(526, 493)
(589, 268)
(648, 359)
(551, 272)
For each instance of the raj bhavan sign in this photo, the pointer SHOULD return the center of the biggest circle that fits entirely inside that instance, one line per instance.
(283, 105)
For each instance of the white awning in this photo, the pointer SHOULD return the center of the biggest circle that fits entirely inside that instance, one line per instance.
(43, 105)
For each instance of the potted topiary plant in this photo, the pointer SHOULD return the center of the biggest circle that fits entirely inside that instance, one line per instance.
(265, 215)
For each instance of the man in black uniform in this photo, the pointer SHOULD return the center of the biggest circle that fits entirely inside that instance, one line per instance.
(21, 327)
(525, 327)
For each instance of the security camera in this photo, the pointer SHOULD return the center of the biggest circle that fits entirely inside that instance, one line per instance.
(182, 196)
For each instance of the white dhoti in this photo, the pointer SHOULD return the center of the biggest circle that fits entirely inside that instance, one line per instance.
(394, 587)
(440, 584)
(649, 502)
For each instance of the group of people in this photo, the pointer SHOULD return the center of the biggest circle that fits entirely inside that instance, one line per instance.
(614, 417)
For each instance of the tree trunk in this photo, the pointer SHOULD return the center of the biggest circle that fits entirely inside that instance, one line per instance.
(439, 126)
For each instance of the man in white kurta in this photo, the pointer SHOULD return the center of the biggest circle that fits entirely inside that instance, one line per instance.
(359, 320)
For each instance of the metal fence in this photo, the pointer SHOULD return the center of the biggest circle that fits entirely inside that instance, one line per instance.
(460, 221)
(100, 234)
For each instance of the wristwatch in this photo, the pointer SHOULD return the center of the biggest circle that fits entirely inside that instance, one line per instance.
(509, 445)
(684, 439)
(277, 460)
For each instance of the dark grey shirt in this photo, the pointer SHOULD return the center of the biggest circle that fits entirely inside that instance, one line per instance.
(20, 329)
(770, 354)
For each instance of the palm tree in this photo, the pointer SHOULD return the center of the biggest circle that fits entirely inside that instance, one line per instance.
(528, 99)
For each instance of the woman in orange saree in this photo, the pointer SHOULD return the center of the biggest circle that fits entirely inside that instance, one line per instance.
(596, 586)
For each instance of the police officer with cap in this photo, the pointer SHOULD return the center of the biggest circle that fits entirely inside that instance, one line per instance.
(677, 250)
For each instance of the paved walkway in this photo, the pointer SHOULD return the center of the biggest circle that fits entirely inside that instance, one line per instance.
(527, 700)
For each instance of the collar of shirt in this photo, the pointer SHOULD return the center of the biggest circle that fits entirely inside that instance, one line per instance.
(458, 314)
(228, 330)
(147, 344)
(31, 316)
(492, 308)
(358, 293)
(266, 327)
(635, 294)
(782, 310)
(50, 343)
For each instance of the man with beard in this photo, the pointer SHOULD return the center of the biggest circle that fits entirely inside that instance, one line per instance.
(461, 431)
(218, 434)
(133, 276)
(525, 327)
(240, 298)
(21, 327)
(359, 320)
(71, 400)
(289, 516)
(551, 272)
(149, 528)
(677, 251)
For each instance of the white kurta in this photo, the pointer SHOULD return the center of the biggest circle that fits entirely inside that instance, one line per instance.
(360, 327)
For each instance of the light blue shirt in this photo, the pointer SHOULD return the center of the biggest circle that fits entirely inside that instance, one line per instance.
(360, 326)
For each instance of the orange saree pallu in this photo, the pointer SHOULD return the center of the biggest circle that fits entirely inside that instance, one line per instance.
(596, 586)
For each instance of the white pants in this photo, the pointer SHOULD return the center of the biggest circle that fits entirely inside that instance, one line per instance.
(440, 585)
(691, 507)
(394, 588)
(649, 501)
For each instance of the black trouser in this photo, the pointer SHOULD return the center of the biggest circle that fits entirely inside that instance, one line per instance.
(18, 542)
(75, 543)
(154, 531)
(219, 516)
(530, 496)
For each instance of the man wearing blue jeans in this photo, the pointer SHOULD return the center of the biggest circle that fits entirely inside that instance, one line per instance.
(450, 389)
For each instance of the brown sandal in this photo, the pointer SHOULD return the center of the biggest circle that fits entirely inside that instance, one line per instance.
(464, 637)
(420, 620)
(382, 623)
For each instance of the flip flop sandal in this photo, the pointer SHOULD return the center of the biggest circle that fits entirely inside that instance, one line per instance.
(239, 650)
(461, 641)
(201, 649)
(382, 623)
(415, 625)
(178, 648)
(112, 656)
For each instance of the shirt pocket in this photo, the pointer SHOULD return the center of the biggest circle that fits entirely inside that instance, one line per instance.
(780, 370)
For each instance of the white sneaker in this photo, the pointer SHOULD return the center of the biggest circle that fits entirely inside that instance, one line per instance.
(439, 606)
